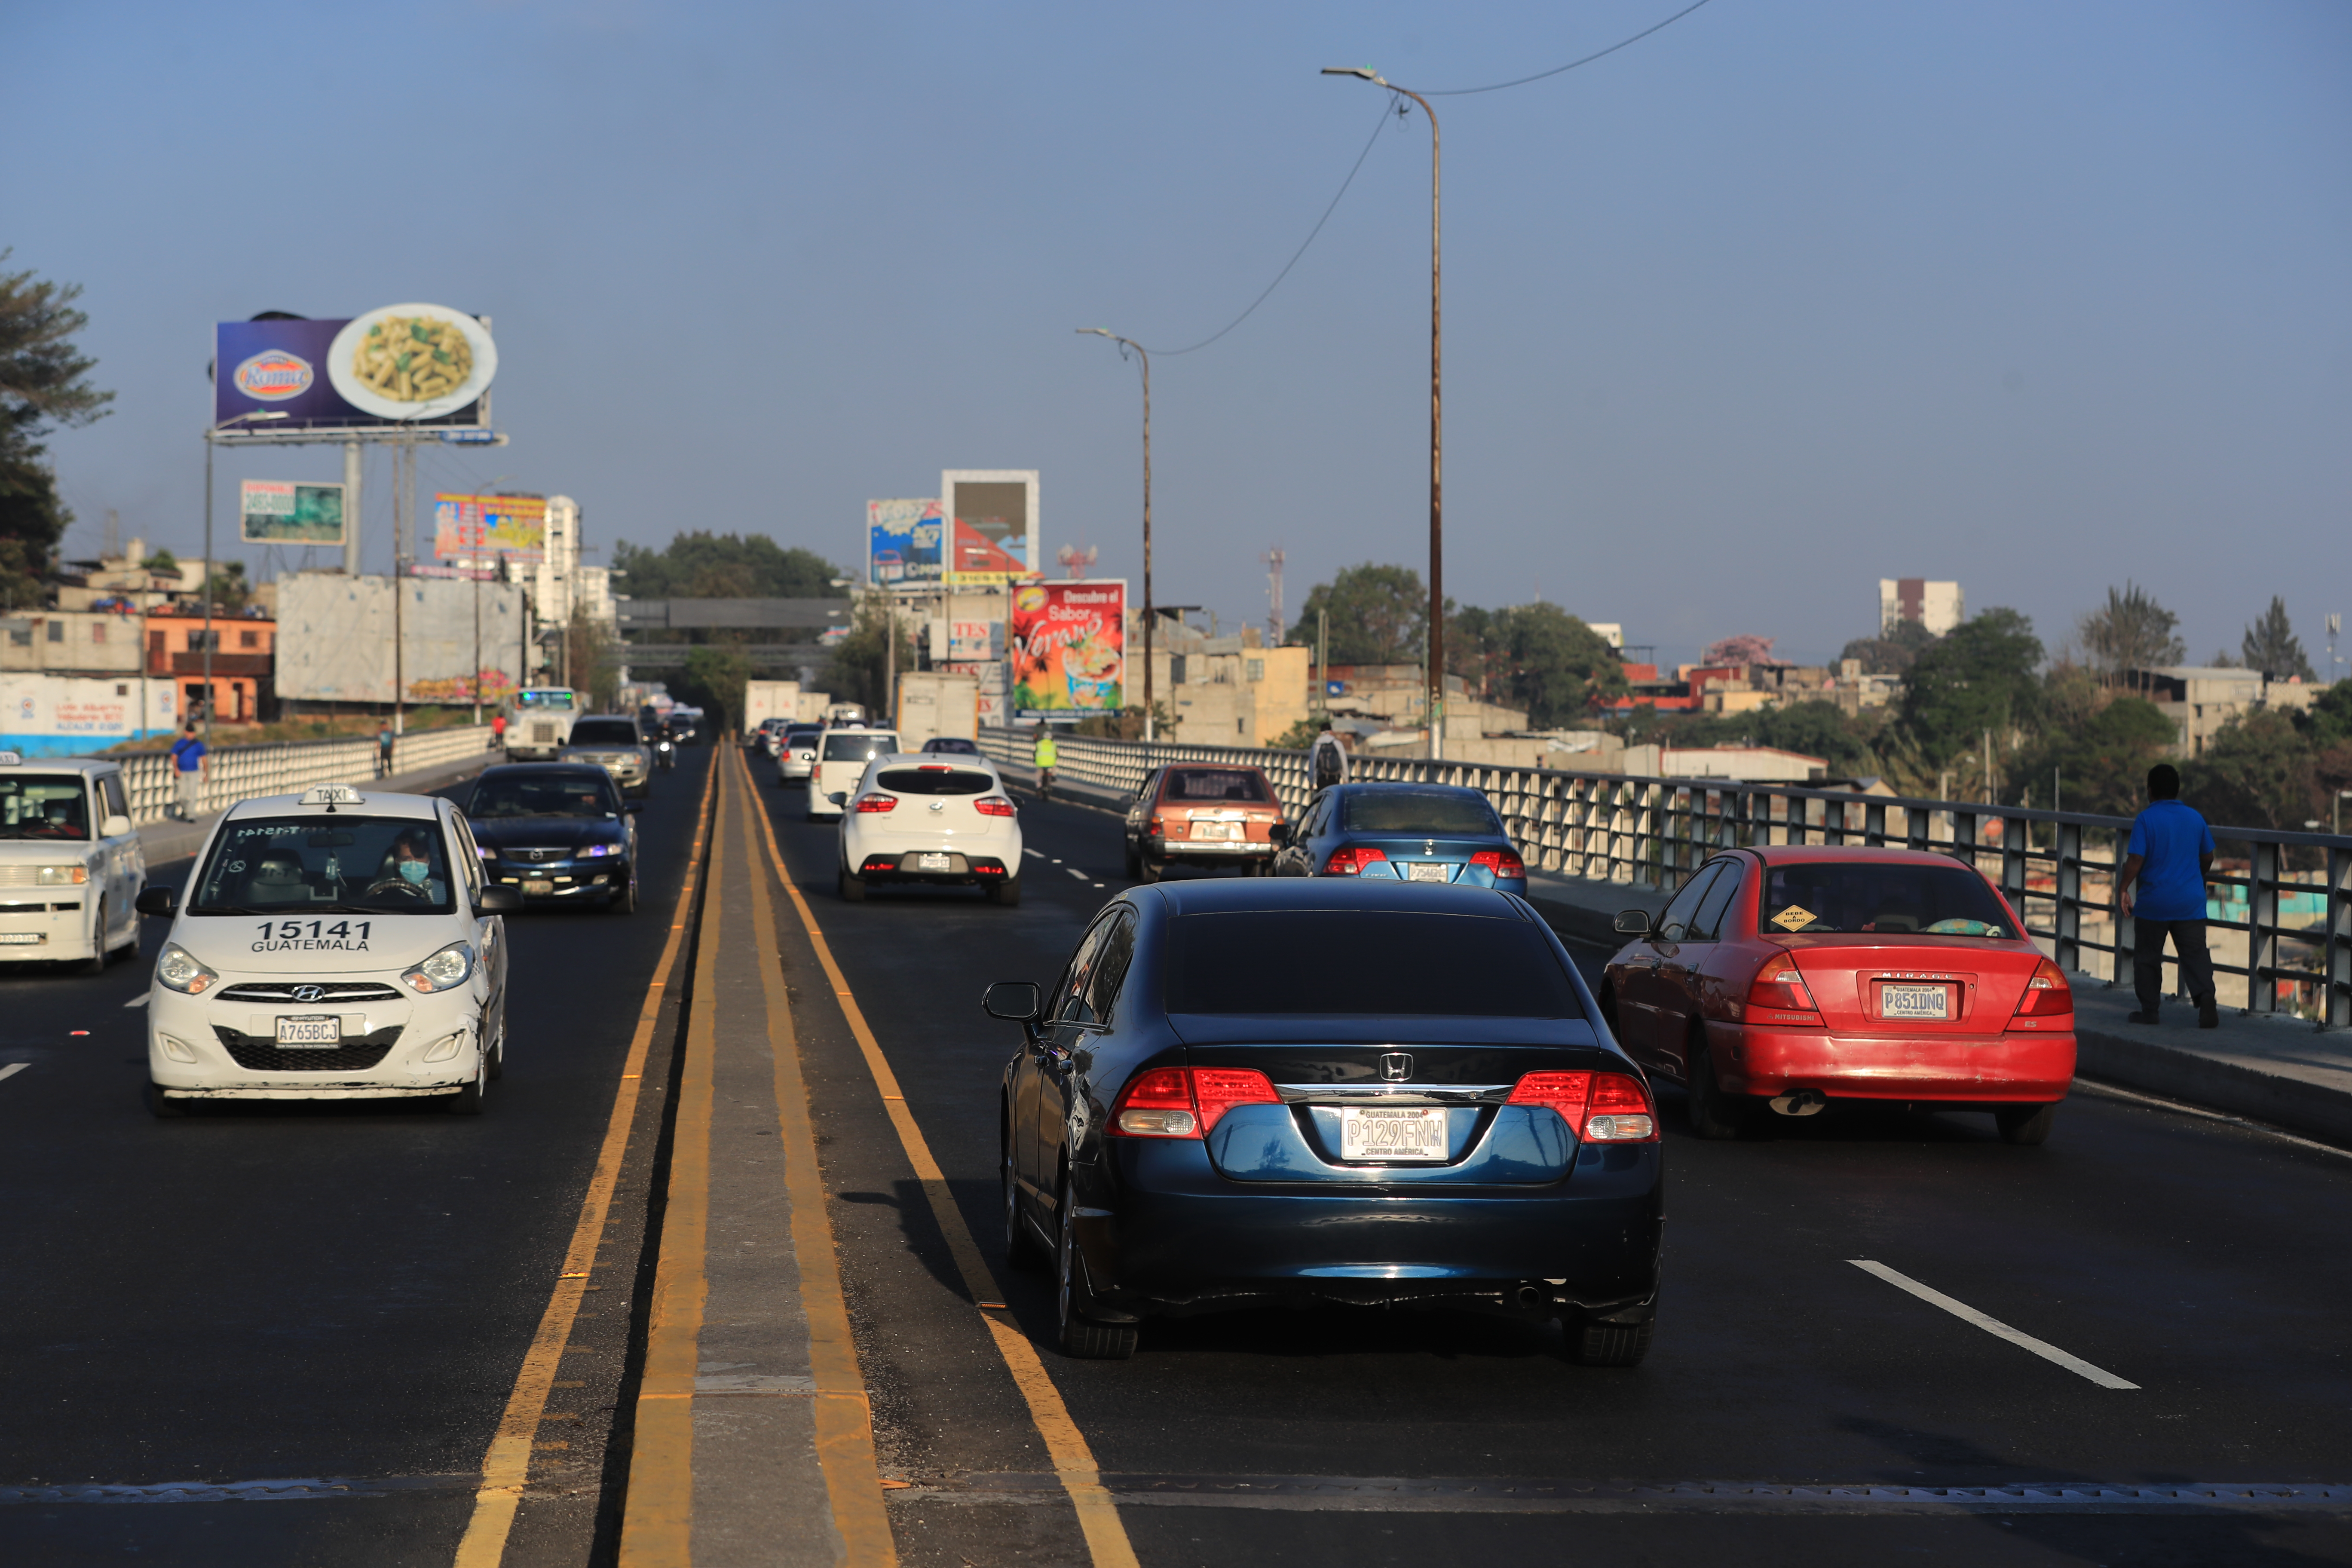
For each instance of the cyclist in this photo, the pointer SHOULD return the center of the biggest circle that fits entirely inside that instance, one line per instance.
(1044, 757)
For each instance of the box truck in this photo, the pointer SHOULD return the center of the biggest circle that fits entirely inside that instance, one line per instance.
(765, 700)
(934, 704)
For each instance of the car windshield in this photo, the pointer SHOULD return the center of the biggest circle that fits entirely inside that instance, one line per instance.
(362, 864)
(858, 747)
(1912, 898)
(953, 743)
(1240, 786)
(1430, 811)
(935, 779)
(43, 805)
(1365, 960)
(543, 795)
(604, 733)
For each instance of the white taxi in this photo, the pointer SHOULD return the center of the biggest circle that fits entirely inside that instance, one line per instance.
(71, 865)
(843, 756)
(333, 946)
(932, 818)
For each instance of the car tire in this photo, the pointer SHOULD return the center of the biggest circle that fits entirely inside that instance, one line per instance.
(1148, 870)
(1007, 893)
(1713, 1114)
(165, 1109)
(1608, 1344)
(2026, 1125)
(624, 902)
(1023, 1250)
(496, 1066)
(95, 962)
(468, 1101)
(852, 888)
(1077, 1336)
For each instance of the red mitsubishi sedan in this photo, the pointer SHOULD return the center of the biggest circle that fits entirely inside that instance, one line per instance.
(1800, 975)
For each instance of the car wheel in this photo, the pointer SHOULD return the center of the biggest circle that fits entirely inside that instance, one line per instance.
(1078, 1335)
(95, 962)
(1713, 1114)
(852, 888)
(1007, 892)
(1608, 1344)
(165, 1109)
(1148, 870)
(625, 902)
(1021, 1247)
(467, 1102)
(2025, 1124)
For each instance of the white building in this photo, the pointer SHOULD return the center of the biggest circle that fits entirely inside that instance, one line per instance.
(560, 584)
(1939, 606)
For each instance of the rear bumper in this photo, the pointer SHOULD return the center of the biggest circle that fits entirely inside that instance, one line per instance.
(1163, 1234)
(961, 869)
(2013, 1067)
(1208, 849)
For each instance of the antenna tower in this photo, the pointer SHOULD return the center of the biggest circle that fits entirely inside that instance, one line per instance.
(1075, 559)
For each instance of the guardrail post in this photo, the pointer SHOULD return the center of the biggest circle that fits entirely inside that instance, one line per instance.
(2262, 930)
(2016, 843)
(1874, 825)
(2336, 959)
(2067, 926)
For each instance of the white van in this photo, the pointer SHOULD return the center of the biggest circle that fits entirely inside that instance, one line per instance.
(333, 946)
(71, 865)
(841, 759)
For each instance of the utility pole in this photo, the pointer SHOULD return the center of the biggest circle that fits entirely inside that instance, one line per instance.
(1323, 663)
(1125, 344)
(351, 508)
(1274, 627)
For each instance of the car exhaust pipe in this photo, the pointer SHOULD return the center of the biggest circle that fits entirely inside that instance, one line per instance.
(1534, 1296)
(1800, 1102)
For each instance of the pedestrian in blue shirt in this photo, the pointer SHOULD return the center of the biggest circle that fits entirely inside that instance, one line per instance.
(383, 750)
(188, 764)
(2170, 851)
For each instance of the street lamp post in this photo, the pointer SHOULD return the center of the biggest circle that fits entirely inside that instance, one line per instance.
(1125, 344)
(1436, 423)
(212, 436)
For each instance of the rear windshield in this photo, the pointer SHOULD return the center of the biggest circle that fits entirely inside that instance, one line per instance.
(1237, 786)
(544, 795)
(1365, 960)
(954, 744)
(1915, 899)
(858, 747)
(1417, 811)
(933, 781)
(322, 865)
(43, 805)
(604, 733)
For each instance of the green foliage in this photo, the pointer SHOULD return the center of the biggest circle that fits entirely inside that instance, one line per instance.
(1379, 614)
(2130, 631)
(858, 673)
(1814, 728)
(1300, 736)
(713, 681)
(704, 565)
(1892, 653)
(43, 385)
(2256, 771)
(1533, 657)
(2271, 647)
(2329, 721)
(231, 592)
(2098, 759)
(1979, 677)
(161, 561)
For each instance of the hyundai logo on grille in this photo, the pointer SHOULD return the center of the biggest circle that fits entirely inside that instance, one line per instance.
(308, 992)
(1396, 1065)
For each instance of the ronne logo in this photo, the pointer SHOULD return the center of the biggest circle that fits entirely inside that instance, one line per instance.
(273, 375)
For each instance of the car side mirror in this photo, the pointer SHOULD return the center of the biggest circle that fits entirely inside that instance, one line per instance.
(1015, 1001)
(114, 827)
(1634, 922)
(499, 901)
(163, 901)
(838, 797)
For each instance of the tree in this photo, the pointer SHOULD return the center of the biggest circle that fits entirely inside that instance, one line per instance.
(2256, 771)
(2098, 759)
(1892, 653)
(1978, 676)
(1551, 664)
(2271, 647)
(713, 681)
(231, 592)
(2328, 721)
(1379, 614)
(2130, 632)
(1744, 649)
(857, 667)
(43, 385)
(704, 565)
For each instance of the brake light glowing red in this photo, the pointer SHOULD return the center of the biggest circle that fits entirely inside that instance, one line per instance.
(1186, 1103)
(1352, 860)
(993, 805)
(1599, 1107)
(2047, 995)
(1501, 862)
(878, 802)
(1780, 988)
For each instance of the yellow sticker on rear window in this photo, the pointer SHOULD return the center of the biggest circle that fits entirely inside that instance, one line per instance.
(1796, 917)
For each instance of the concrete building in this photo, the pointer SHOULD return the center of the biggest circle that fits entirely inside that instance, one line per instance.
(1753, 764)
(2200, 699)
(244, 662)
(124, 580)
(1230, 690)
(1939, 606)
(103, 643)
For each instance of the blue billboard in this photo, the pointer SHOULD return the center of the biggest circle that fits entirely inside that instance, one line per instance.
(400, 364)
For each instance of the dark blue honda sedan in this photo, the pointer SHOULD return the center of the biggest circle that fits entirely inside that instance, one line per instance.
(1402, 833)
(1250, 1093)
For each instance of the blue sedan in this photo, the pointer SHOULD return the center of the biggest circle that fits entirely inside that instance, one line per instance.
(1402, 833)
(1250, 1093)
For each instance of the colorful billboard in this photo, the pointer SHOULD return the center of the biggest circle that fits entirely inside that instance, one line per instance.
(422, 366)
(270, 512)
(992, 514)
(1068, 652)
(469, 528)
(902, 544)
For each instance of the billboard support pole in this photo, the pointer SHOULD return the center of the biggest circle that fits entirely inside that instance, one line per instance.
(351, 508)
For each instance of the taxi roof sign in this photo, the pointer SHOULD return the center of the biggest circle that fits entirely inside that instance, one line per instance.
(10, 759)
(332, 795)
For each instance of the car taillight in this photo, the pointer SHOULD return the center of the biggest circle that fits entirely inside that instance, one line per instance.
(2047, 994)
(993, 805)
(1599, 1107)
(878, 802)
(1186, 1103)
(1501, 862)
(1352, 860)
(1778, 988)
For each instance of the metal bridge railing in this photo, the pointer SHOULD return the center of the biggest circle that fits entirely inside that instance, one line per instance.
(2292, 952)
(241, 772)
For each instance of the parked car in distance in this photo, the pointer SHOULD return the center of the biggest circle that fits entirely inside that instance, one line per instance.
(557, 832)
(1799, 976)
(70, 863)
(613, 743)
(918, 817)
(1402, 833)
(796, 753)
(1249, 1094)
(1202, 814)
(842, 756)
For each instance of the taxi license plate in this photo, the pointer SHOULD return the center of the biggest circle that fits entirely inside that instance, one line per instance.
(1392, 1132)
(933, 862)
(1913, 1002)
(1426, 870)
(19, 938)
(537, 885)
(312, 1032)
(1226, 831)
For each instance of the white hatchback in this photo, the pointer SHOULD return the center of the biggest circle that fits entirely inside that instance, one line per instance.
(927, 817)
(842, 758)
(332, 946)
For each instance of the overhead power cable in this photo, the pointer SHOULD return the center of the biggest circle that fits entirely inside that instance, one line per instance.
(1522, 81)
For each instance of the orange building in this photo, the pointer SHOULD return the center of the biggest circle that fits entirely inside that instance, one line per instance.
(243, 661)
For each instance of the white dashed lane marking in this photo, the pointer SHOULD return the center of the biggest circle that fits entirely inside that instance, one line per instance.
(140, 1001)
(1074, 871)
(1033, 854)
(13, 1069)
(1992, 1325)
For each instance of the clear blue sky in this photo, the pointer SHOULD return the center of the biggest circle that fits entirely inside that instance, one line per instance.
(1780, 300)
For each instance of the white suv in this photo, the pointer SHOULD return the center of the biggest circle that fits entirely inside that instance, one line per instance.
(842, 756)
(70, 864)
(927, 817)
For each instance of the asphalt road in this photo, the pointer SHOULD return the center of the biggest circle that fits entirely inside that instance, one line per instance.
(303, 1293)
(2201, 1261)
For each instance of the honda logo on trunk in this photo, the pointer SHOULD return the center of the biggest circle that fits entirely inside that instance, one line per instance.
(1396, 1065)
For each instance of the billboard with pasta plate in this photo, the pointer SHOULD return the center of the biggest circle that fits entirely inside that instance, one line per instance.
(426, 366)
(1068, 651)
